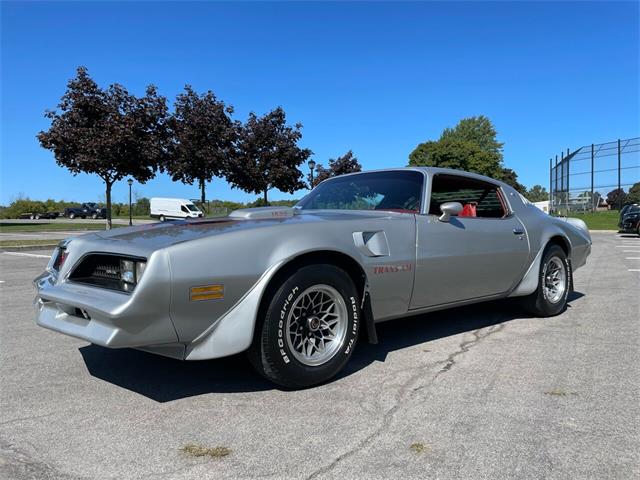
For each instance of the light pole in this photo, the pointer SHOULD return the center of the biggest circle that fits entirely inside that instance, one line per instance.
(312, 165)
(130, 182)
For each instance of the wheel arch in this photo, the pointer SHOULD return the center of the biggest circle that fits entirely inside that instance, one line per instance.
(529, 282)
(562, 242)
(330, 257)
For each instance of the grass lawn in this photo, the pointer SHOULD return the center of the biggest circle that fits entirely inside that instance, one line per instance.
(10, 227)
(27, 243)
(599, 220)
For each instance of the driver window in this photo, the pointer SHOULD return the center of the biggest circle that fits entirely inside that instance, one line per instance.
(478, 198)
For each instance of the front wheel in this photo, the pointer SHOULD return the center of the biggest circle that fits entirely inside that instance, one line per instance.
(310, 328)
(72, 216)
(550, 298)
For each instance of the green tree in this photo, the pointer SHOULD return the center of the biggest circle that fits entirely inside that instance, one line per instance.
(537, 193)
(510, 177)
(268, 155)
(634, 193)
(616, 198)
(471, 145)
(456, 154)
(203, 137)
(347, 163)
(478, 130)
(141, 206)
(107, 132)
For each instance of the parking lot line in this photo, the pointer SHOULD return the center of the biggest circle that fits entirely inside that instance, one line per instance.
(634, 269)
(22, 254)
(633, 258)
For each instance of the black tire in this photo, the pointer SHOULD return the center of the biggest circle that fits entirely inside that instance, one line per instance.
(539, 303)
(162, 219)
(94, 216)
(36, 216)
(72, 216)
(271, 352)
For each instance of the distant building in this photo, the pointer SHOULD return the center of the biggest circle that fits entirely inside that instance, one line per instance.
(544, 206)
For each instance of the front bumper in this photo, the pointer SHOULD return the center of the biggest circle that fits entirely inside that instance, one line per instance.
(629, 226)
(104, 317)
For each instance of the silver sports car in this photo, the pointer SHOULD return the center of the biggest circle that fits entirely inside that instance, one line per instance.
(294, 286)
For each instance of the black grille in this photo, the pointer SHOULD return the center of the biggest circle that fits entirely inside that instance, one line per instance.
(107, 271)
(102, 270)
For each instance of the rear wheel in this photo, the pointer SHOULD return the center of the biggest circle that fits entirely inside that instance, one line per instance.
(94, 216)
(550, 298)
(162, 219)
(72, 216)
(310, 328)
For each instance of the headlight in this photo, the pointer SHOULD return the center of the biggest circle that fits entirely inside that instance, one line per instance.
(110, 271)
(131, 271)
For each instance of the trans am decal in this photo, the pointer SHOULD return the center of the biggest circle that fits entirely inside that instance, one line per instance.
(401, 267)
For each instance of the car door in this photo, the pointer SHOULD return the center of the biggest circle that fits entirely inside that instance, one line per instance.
(479, 254)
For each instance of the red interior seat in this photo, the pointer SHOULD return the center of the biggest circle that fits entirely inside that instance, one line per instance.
(469, 210)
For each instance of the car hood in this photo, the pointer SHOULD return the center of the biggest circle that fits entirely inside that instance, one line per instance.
(160, 235)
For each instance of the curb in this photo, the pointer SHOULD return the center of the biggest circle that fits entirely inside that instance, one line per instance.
(20, 248)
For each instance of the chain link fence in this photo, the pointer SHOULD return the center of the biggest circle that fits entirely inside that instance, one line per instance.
(592, 177)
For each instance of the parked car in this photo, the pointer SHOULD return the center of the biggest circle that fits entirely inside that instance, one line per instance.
(173, 208)
(38, 216)
(91, 210)
(630, 219)
(294, 286)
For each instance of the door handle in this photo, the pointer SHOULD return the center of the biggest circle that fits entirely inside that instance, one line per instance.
(518, 231)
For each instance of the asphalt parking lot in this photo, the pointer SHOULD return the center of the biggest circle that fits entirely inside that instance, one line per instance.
(473, 393)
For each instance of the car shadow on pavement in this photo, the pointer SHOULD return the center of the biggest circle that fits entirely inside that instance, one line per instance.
(164, 379)
(423, 328)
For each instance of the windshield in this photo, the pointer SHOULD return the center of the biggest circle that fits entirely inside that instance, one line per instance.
(398, 191)
(192, 207)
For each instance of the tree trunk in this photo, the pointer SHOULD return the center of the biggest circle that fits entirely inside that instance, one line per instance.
(266, 202)
(202, 195)
(108, 198)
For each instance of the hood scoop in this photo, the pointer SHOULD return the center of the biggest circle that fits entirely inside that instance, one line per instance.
(262, 213)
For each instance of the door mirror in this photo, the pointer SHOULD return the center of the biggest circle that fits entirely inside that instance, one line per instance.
(449, 209)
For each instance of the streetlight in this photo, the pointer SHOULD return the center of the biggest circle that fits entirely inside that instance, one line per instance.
(130, 182)
(312, 165)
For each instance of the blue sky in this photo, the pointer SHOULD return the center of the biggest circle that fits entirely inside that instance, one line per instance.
(377, 78)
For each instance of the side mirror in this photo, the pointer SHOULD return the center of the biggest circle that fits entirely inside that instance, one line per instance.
(449, 209)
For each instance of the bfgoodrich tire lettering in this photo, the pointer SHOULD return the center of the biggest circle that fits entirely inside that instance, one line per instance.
(554, 281)
(310, 328)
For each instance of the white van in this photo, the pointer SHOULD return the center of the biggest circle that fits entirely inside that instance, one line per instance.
(172, 208)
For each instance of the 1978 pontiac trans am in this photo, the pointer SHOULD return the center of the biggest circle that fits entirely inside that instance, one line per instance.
(295, 286)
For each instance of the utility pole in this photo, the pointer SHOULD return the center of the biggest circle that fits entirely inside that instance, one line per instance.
(619, 185)
(593, 207)
(550, 185)
(130, 182)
